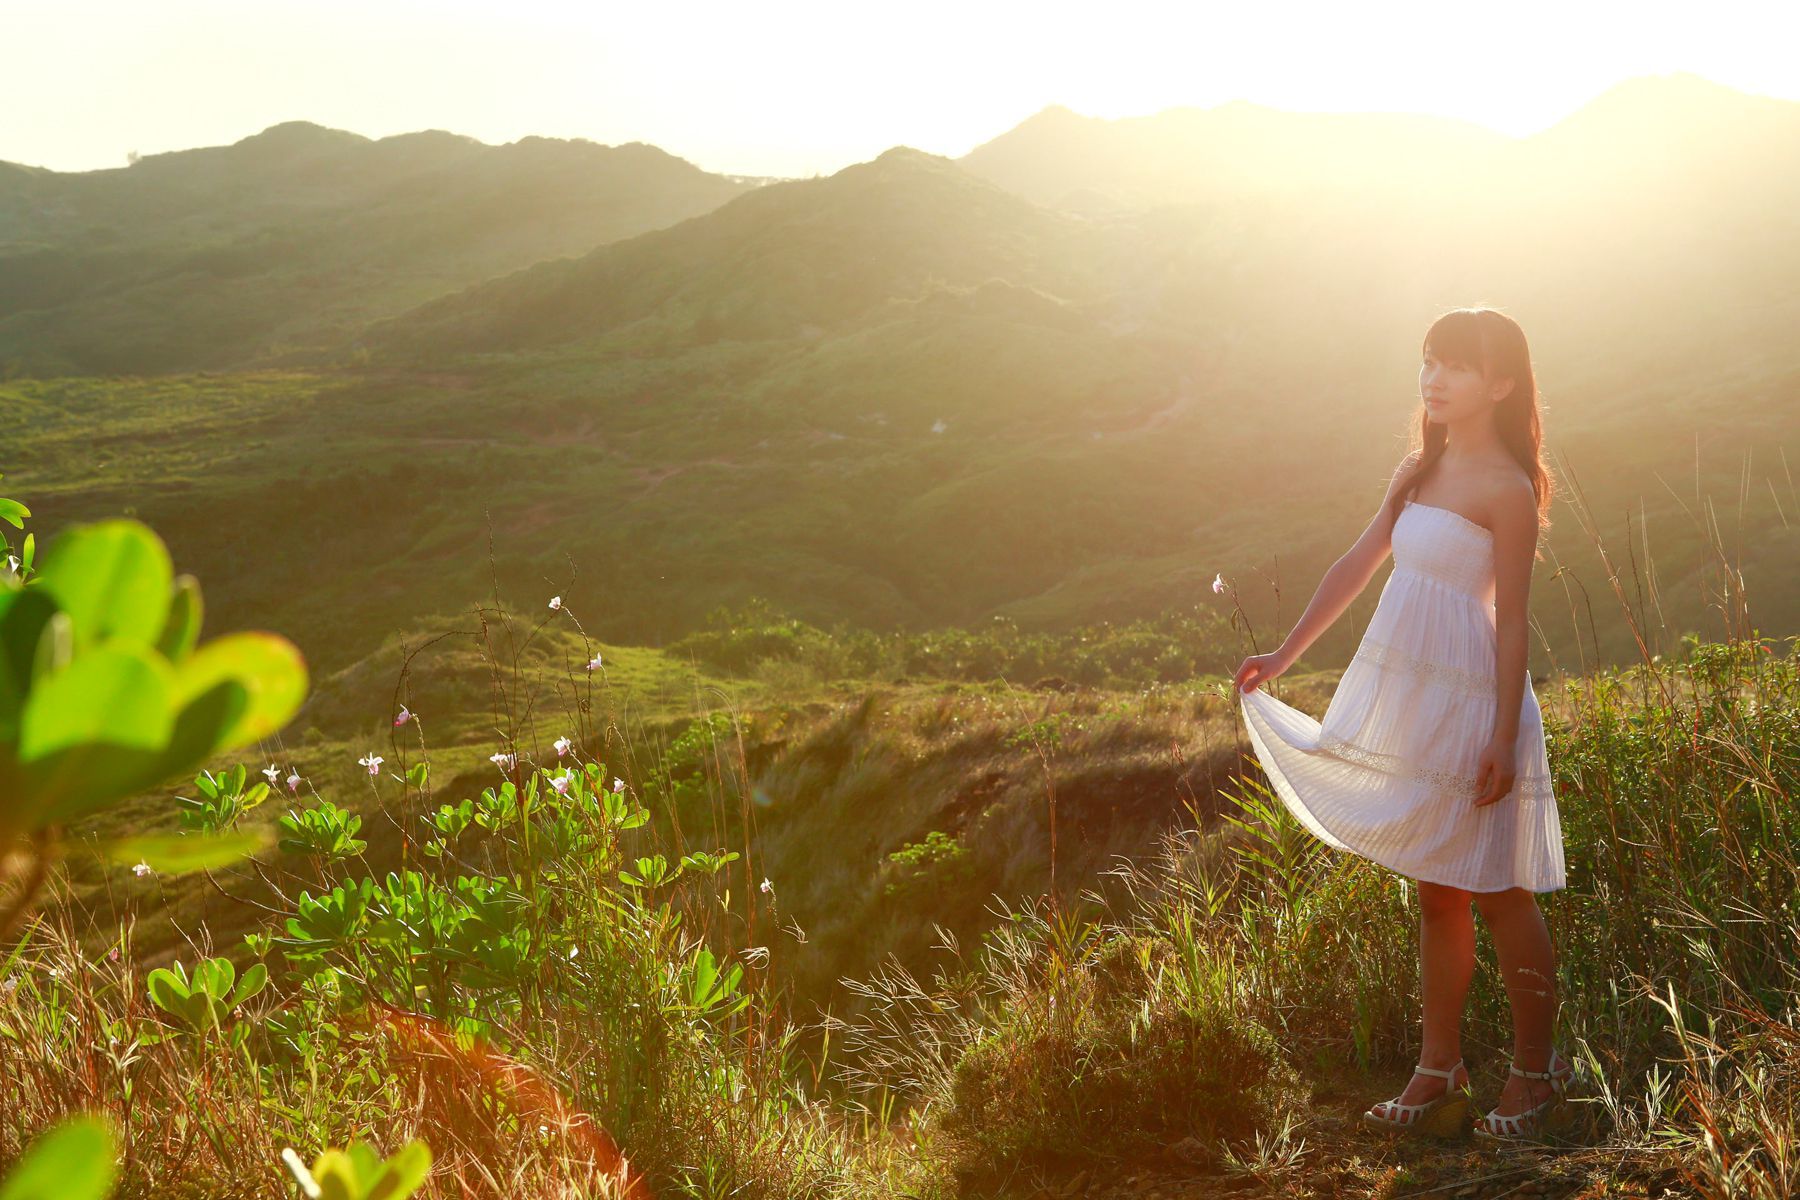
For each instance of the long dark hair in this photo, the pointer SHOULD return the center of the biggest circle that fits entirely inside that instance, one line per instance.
(1493, 341)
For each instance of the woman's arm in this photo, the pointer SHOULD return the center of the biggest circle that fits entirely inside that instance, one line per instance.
(1350, 574)
(1515, 517)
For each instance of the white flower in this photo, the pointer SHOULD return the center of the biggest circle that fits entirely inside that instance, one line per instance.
(767, 887)
(142, 869)
(555, 602)
(404, 716)
(272, 772)
(503, 760)
(294, 782)
(594, 663)
(372, 761)
(1218, 583)
(561, 783)
(563, 745)
(618, 784)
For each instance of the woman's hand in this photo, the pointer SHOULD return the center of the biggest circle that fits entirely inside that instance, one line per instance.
(1260, 668)
(1497, 770)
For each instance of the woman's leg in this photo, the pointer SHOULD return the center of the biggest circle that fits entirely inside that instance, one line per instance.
(1528, 967)
(1446, 964)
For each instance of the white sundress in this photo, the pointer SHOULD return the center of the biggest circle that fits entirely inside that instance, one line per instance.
(1390, 772)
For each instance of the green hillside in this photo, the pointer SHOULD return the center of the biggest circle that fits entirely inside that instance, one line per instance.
(296, 237)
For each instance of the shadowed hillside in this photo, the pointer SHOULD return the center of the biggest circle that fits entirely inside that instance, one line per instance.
(228, 255)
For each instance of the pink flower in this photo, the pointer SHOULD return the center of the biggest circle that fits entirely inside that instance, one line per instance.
(563, 746)
(561, 783)
(1218, 584)
(503, 760)
(594, 663)
(293, 782)
(618, 784)
(372, 761)
(555, 602)
(404, 716)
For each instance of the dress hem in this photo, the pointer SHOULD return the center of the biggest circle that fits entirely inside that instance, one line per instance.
(1308, 819)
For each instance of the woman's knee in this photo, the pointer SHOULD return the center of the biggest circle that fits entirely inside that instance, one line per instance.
(1501, 904)
(1437, 899)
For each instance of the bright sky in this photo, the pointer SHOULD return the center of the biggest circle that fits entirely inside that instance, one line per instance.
(794, 88)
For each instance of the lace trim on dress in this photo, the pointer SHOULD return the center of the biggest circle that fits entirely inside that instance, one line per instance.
(1452, 781)
(1461, 679)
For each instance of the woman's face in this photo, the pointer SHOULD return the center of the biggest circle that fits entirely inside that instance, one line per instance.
(1454, 391)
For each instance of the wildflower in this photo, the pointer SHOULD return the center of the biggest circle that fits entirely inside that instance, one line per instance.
(404, 716)
(142, 869)
(1218, 584)
(563, 745)
(503, 760)
(768, 889)
(561, 783)
(9, 983)
(112, 955)
(293, 782)
(555, 602)
(372, 761)
(594, 663)
(618, 784)
(272, 772)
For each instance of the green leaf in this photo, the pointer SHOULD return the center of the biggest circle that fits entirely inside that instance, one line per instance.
(23, 616)
(112, 578)
(13, 511)
(168, 989)
(89, 732)
(339, 1175)
(72, 1161)
(214, 976)
(181, 632)
(266, 666)
(401, 1176)
(178, 854)
(55, 648)
(256, 978)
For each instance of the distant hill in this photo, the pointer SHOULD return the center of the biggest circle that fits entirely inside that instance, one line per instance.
(782, 262)
(905, 395)
(295, 237)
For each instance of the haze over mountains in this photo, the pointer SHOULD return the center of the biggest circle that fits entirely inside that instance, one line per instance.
(298, 235)
(1069, 375)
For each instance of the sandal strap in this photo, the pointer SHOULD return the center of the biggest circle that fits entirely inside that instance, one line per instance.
(1550, 1074)
(1450, 1074)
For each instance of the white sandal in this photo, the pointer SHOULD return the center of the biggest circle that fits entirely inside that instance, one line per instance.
(1512, 1127)
(1447, 1116)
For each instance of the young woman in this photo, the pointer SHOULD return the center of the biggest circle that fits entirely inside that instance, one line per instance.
(1430, 758)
